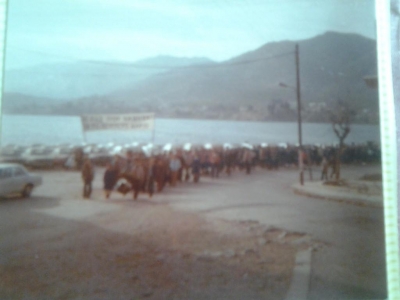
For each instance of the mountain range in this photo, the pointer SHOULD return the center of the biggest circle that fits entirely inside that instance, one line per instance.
(250, 86)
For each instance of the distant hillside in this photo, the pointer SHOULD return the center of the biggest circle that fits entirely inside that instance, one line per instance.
(15, 103)
(247, 87)
(88, 78)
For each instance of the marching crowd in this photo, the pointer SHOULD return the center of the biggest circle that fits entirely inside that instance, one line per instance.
(138, 173)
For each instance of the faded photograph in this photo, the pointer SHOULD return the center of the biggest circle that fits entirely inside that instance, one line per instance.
(191, 149)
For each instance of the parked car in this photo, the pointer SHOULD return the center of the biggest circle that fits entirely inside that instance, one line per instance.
(38, 157)
(11, 154)
(15, 179)
(61, 154)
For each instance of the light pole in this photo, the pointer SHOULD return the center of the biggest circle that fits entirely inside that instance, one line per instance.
(297, 88)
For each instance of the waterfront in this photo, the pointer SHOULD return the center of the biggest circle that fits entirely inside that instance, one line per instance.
(26, 130)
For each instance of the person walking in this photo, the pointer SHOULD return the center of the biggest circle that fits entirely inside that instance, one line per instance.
(247, 159)
(160, 172)
(87, 177)
(174, 166)
(333, 165)
(325, 167)
(150, 177)
(188, 159)
(196, 168)
(137, 178)
(110, 179)
(214, 162)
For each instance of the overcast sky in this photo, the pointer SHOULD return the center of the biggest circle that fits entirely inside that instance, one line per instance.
(41, 31)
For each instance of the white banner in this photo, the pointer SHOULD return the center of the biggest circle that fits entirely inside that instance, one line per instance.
(143, 121)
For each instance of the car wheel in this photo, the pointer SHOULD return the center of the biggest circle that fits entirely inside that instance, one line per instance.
(27, 190)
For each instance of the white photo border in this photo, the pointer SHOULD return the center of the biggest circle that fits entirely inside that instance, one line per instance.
(388, 146)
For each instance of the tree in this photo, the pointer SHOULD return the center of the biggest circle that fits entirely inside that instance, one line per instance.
(341, 118)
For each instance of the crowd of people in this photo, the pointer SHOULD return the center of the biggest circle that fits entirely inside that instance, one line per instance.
(140, 173)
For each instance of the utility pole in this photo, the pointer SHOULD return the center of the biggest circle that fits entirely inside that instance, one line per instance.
(301, 164)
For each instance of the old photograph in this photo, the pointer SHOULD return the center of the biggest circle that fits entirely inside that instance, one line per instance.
(191, 149)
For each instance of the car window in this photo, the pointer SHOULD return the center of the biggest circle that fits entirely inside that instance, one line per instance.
(47, 151)
(5, 173)
(19, 171)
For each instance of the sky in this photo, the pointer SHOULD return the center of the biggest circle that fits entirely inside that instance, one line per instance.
(47, 31)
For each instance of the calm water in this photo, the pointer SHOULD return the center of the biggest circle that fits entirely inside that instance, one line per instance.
(26, 130)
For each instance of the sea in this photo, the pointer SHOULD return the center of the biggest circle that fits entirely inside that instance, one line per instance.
(54, 130)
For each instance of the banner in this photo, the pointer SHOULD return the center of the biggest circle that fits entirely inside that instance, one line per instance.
(143, 121)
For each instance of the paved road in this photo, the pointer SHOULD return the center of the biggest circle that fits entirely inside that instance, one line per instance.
(350, 265)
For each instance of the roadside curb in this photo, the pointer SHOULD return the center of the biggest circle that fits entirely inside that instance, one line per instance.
(300, 282)
(318, 190)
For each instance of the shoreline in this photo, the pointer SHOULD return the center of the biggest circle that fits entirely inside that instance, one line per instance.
(294, 121)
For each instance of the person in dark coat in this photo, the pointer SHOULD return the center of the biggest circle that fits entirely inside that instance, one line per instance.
(160, 173)
(110, 179)
(196, 168)
(137, 178)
